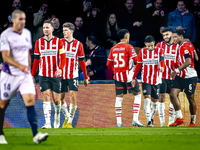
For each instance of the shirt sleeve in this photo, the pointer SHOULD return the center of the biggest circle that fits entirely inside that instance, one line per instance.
(132, 52)
(161, 54)
(61, 47)
(81, 54)
(36, 52)
(140, 57)
(4, 43)
(185, 52)
(110, 57)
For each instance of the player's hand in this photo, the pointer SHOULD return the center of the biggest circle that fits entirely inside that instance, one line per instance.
(25, 69)
(58, 73)
(91, 73)
(86, 82)
(173, 74)
(133, 83)
(33, 79)
(161, 69)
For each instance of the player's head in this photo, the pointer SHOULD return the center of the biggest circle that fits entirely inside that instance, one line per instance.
(91, 41)
(178, 36)
(48, 27)
(18, 19)
(68, 29)
(167, 34)
(149, 42)
(124, 35)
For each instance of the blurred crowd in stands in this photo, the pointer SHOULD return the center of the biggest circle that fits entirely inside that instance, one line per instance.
(97, 21)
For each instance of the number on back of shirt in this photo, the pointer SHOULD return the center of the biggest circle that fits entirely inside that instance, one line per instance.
(7, 86)
(119, 61)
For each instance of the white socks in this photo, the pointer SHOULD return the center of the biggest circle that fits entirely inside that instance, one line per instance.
(47, 112)
(64, 110)
(118, 109)
(179, 114)
(147, 108)
(57, 109)
(172, 113)
(72, 110)
(161, 112)
(153, 109)
(193, 118)
(136, 107)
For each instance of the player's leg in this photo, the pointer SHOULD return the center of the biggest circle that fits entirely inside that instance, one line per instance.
(27, 90)
(64, 89)
(161, 103)
(3, 106)
(155, 90)
(45, 89)
(73, 89)
(120, 89)
(176, 102)
(136, 104)
(190, 87)
(57, 108)
(147, 101)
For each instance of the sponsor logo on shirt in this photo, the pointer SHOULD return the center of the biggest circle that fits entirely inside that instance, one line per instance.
(48, 52)
(186, 51)
(70, 54)
(170, 56)
(150, 61)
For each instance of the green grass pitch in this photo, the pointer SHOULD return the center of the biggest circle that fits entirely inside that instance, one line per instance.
(176, 138)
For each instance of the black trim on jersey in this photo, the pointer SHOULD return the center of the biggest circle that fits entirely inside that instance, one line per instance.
(187, 56)
(36, 56)
(49, 40)
(70, 42)
(169, 44)
(82, 58)
(161, 58)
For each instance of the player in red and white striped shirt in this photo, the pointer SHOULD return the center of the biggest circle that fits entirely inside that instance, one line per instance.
(120, 61)
(170, 53)
(74, 54)
(151, 60)
(50, 56)
(186, 78)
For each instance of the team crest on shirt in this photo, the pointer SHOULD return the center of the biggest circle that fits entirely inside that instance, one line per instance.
(53, 45)
(186, 51)
(133, 51)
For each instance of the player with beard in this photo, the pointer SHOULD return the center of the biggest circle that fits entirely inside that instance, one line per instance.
(170, 52)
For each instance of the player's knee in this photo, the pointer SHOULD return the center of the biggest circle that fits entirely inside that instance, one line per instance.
(162, 98)
(56, 102)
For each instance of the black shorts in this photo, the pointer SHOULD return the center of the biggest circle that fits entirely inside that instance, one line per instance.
(186, 84)
(72, 84)
(50, 83)
(166, 86)
(152, 90)
(121, 88)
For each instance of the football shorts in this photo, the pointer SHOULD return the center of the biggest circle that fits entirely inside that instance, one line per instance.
(152, 90)
(72, 84)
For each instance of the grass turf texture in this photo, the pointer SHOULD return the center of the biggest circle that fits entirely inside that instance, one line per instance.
(106, 138)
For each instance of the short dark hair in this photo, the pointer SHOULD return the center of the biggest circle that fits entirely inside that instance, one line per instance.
(15, 12)
(122, 32)
(180, 32)
(93, 39)
(149, 39)
(69, 25)
(48, 21)
(166, 29)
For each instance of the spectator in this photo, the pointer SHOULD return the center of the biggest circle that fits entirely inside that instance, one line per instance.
(38, 19)
(86, 12)
(57, 30)
(80, 33)
(196, 14)
(154, 19)
(96, 65)
(131, 19)
(182, 17)
(111, 28)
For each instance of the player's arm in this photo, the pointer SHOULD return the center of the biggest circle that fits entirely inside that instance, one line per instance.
(36, 61)
(184, 65)
(82, 63)
(12, 62)
(109, 63)
(196, 56)
(162, 62)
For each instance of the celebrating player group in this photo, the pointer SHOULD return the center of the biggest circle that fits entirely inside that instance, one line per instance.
(167, 67)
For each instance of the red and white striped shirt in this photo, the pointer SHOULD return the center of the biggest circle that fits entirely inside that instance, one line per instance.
(121, 55)
(73, 51)
(49, 53)
(170, 52)
(151, 65)
(185, 49)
